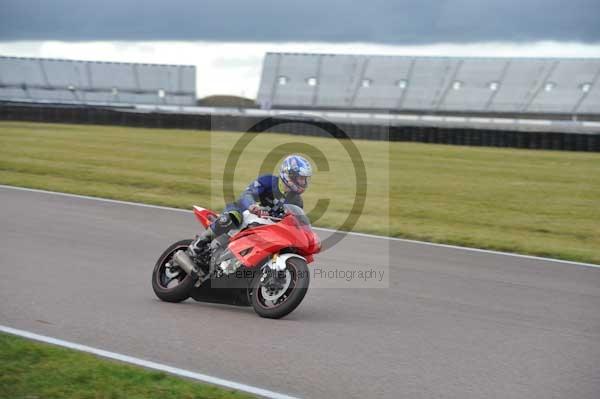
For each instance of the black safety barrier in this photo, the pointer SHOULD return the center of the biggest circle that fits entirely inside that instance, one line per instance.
(425, 134)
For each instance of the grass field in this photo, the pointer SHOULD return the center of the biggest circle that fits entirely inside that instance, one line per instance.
(535, 202)
(31, 370)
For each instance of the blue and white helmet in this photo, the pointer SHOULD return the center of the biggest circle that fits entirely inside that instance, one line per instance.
(295, 172)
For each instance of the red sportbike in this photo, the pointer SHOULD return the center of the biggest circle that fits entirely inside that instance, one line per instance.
(262, 264)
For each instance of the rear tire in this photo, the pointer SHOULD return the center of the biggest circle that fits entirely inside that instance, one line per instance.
(298, 288)
(181, 291)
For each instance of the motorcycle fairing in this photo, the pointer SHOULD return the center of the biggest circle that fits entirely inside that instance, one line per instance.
(252, 246)
(234, 295)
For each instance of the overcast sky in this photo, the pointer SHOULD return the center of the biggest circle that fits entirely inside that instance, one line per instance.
(374, 21)
(226, 40)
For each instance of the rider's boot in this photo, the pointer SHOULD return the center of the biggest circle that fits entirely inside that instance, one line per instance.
(201, 242)
(225, 222)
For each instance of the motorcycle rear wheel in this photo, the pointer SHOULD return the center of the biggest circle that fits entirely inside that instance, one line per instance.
(182, 290)
(290, 299)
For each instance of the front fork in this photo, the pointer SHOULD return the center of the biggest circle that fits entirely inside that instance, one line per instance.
(274, 270)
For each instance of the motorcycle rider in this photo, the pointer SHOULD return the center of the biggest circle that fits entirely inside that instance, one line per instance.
(264, 194)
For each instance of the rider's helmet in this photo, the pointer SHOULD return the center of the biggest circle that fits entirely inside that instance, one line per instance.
(295, 172)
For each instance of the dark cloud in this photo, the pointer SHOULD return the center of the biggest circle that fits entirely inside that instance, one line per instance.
(377, 21)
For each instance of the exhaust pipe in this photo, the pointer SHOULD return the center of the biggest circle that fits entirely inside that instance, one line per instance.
(184, 261)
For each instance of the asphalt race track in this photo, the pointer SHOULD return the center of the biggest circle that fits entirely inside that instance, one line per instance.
(452, 324)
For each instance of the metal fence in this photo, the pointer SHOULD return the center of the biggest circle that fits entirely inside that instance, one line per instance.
(304, 126)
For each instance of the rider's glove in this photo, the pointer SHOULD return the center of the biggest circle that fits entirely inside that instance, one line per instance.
(258, 210)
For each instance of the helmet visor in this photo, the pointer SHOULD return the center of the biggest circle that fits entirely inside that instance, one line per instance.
(301, 181)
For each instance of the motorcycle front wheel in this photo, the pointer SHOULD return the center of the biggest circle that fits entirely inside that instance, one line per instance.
(171, 283)
(275, 303)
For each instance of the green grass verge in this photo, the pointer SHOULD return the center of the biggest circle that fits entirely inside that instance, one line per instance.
(31, 370)
(527, 201)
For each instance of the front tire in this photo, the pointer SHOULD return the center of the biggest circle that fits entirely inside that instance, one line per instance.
(289, 299)
(162, 286)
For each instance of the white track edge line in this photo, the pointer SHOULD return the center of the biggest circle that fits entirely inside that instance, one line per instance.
(146, 364)
(485, 251)
(374, 236)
